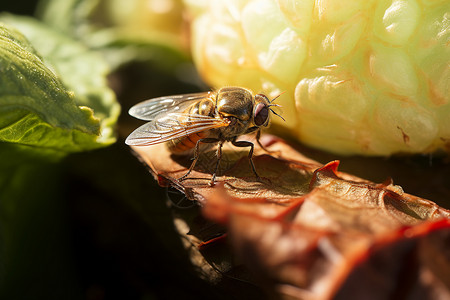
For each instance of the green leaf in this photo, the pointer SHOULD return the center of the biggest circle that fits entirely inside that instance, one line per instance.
(54, 100)
(35, 107)
(79, 87)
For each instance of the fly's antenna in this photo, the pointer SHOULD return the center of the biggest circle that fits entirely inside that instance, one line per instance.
(276, 113)
(270, 101)
(278, 105)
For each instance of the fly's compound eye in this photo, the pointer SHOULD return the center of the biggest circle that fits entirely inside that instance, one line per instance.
(261, 114)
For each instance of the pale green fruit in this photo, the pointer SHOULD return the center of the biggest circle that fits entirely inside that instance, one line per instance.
(359, 77)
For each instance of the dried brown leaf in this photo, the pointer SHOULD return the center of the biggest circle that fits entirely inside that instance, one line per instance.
(308, 231)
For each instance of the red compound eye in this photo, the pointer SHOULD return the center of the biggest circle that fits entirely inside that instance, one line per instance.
(261, 114)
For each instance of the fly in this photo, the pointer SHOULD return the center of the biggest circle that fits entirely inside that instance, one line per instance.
(186, 121)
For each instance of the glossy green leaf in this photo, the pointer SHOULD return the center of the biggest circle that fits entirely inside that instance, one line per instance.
(73, 76)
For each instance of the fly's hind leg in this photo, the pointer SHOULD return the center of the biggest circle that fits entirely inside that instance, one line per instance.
(197, 155)
(250, 154)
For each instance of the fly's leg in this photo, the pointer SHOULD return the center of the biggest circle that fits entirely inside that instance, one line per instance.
(197, 154)
(219, 157)
(250, 153)
(258, 136)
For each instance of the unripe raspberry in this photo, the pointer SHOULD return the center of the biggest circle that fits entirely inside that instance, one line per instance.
(360, 77)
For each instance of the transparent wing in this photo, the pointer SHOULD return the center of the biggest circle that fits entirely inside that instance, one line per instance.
(172, 126)
(149, 109)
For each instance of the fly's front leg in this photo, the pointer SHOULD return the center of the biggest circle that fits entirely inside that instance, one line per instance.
(197, 154)
(258, 136)
(250, 153)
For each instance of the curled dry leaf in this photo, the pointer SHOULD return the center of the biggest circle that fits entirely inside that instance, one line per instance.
(308, 231)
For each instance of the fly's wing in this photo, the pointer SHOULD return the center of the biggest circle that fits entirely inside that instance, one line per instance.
(148, 110)
(172, 126)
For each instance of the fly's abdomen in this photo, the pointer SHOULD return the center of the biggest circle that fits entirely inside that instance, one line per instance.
(182, 145)
(204, 107)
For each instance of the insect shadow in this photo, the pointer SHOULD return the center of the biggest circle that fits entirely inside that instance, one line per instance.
(231, 157)
(177, 199)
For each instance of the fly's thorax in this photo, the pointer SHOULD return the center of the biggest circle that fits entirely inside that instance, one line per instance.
(235, 102)
(234, 129)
